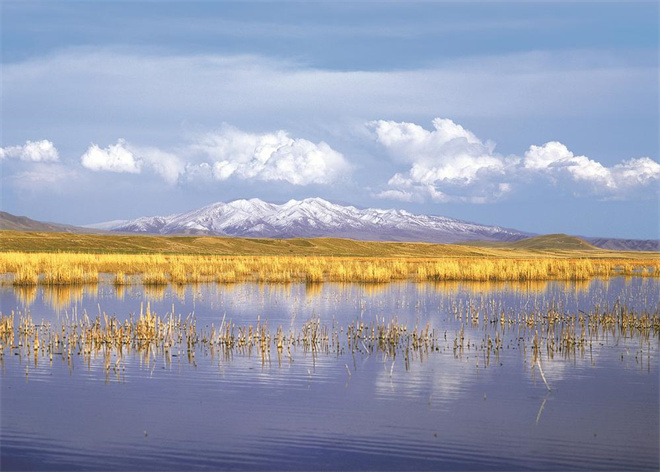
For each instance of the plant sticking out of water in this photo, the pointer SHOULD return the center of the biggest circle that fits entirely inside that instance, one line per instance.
(26, 275)
(6, 332)
(543, 334)
(120, 278)
(155, 278)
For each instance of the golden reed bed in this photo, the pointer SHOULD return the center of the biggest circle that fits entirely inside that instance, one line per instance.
(25, 269)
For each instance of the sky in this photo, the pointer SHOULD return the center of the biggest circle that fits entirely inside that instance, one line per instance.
(537, 116)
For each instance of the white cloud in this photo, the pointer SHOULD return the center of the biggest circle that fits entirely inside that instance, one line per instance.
(451, 164)
(554, 160)
(168, 166)
(232, 153)
(114, 158)
(32, 151)
(643, 171)
(126, 158)
(271, 156)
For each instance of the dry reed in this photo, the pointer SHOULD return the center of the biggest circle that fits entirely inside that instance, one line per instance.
(71, 269)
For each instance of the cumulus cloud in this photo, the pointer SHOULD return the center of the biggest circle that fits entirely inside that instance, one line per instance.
(168, 166)
(228, 153)
(114, 158)
(450, 163)
(271, 156)
(555, 161)
(126, 158)
(32, 151)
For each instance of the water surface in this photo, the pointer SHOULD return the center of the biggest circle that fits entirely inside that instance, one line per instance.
(470, 408)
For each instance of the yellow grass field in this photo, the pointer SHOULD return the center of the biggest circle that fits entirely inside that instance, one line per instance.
(69, 259)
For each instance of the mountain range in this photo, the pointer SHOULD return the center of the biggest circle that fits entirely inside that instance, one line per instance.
(313, 217)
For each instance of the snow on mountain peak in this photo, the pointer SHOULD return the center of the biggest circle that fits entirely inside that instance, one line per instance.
(315, 217)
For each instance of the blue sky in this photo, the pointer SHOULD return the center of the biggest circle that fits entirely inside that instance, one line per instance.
(531, 115)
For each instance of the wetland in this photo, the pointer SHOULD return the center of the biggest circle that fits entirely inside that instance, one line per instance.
(504, 375)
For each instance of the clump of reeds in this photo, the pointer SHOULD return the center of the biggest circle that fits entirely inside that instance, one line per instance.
(120, 278)
(66, 268)
(6, 326)
(155, 278)
(542, 333)
(26, 275)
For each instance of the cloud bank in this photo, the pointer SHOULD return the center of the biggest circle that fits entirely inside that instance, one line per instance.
(134, 88)
(450, 163)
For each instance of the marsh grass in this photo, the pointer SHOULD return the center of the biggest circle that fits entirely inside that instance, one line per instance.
(157, 269)
(537, 335)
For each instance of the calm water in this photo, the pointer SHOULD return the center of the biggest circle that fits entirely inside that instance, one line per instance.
(446, 408)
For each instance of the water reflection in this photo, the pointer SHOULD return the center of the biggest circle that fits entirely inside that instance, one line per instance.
(26, 295)
(155, 292)
(468, 394)
(329, 297)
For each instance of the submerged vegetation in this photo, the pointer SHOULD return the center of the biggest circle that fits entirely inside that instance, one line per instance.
(29, 269)
(536, 334)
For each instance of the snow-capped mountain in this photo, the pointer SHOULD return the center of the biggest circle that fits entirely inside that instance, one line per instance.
(313, 217)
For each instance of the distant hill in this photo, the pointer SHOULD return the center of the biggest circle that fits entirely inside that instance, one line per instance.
(565, 242)
(218, 245)
(23, 223)
(555, 242)
(316, 218)
(548, 242)
(625, 244)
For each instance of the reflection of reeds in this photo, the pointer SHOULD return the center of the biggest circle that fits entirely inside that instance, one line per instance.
(26, 294)
(524, 287)
(67, 269)
(313, 289)
(120, 292)
(155, 292)
(61, 297)
(180, 291)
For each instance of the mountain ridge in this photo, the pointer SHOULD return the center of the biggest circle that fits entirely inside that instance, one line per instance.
(315, 217)
(23, 223)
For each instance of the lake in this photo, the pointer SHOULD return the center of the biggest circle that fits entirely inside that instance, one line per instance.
(464, 376)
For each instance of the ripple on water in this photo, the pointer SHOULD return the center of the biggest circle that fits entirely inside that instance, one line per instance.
(451, 409)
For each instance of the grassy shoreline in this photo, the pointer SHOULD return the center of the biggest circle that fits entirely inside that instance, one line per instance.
(542, 246)
(64, 258)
